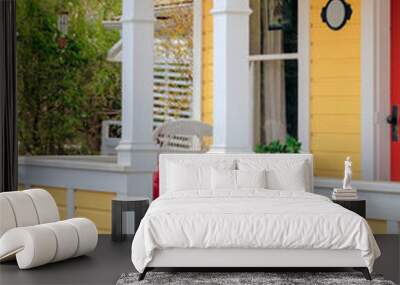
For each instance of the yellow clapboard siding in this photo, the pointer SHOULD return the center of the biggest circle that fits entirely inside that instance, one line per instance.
(328, 36)
(349, 87)
(334, 160)
(208, 78)
(207, 63)
(207, 118)
(62, 210)
(335, 92)
(378, 226)
(329, 68)
(334, 173)
(331, 105)
(327, 173)
(338, 124)
(208, 141)
(95, 206)
(207, 105)
(322, 50)
(102, 219)
(93, 200)
(59, 194)
(345, 143)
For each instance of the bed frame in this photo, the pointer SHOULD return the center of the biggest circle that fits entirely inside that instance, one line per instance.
(242, 259)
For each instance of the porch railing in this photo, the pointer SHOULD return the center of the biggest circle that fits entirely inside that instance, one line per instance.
(172, 91)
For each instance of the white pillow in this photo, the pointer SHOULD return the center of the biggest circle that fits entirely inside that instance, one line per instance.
(226, 179)
(251, 178)
(293, 179)
(185, 175)
(282, 174)
(223, 179)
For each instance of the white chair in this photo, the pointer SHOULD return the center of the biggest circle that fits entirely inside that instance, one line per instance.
(182, 135)
(31, 232)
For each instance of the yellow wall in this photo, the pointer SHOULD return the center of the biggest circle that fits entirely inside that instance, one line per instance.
(378, 226)
(60, 196)
(93, 205)
(335, 92)
(207, 63)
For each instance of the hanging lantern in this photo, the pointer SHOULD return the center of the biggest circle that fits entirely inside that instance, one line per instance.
(63, 22)
(62, 26)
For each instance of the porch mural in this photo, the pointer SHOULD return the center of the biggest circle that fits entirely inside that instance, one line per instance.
(335, 103)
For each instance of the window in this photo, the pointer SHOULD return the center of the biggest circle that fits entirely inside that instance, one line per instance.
(275, 68)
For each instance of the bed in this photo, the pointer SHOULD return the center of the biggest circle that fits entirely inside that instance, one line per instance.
(247, 210)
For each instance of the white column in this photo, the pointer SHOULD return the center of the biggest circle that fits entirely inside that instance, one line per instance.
(137, 82)
(233, 120)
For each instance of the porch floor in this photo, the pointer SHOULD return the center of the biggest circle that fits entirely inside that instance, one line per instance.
(106, 264)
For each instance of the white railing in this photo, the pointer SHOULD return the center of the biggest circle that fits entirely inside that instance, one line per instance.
(109, 138)
(172, 91)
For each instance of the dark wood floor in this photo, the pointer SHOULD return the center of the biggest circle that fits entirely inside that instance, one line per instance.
(110, 260)
(103, 266)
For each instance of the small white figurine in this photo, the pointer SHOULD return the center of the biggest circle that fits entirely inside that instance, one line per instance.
(347, 174)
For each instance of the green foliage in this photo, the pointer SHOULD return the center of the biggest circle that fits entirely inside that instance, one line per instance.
(292, 145)
(65, 93)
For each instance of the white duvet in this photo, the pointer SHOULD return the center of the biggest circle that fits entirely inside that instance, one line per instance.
(250, 219)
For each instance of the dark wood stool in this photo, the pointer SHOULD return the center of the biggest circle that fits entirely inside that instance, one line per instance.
(139, 205)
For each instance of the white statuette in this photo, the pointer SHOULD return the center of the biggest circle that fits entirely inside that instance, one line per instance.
(347, 174)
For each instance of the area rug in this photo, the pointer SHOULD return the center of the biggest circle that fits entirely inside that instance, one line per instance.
(244, 278)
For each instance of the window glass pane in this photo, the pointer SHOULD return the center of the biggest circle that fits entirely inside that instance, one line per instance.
(276, 99)
(273, 26)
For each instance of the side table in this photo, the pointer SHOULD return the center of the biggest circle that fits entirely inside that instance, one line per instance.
(357, 206)
(139, 205)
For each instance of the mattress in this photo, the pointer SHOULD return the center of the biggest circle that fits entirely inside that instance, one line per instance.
(250, 219)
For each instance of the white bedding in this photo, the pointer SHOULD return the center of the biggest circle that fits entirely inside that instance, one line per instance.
(250, 219)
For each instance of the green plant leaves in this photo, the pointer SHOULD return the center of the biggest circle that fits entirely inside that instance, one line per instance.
(292, 145)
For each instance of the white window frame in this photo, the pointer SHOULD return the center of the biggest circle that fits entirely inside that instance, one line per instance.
(303, 58)
(375, 89)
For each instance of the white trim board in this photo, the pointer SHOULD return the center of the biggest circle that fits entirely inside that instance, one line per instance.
(375, 89)
(304, 74)
(197, 59)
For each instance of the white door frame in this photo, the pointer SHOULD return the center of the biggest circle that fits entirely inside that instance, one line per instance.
(375, 89)
(303, 57)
